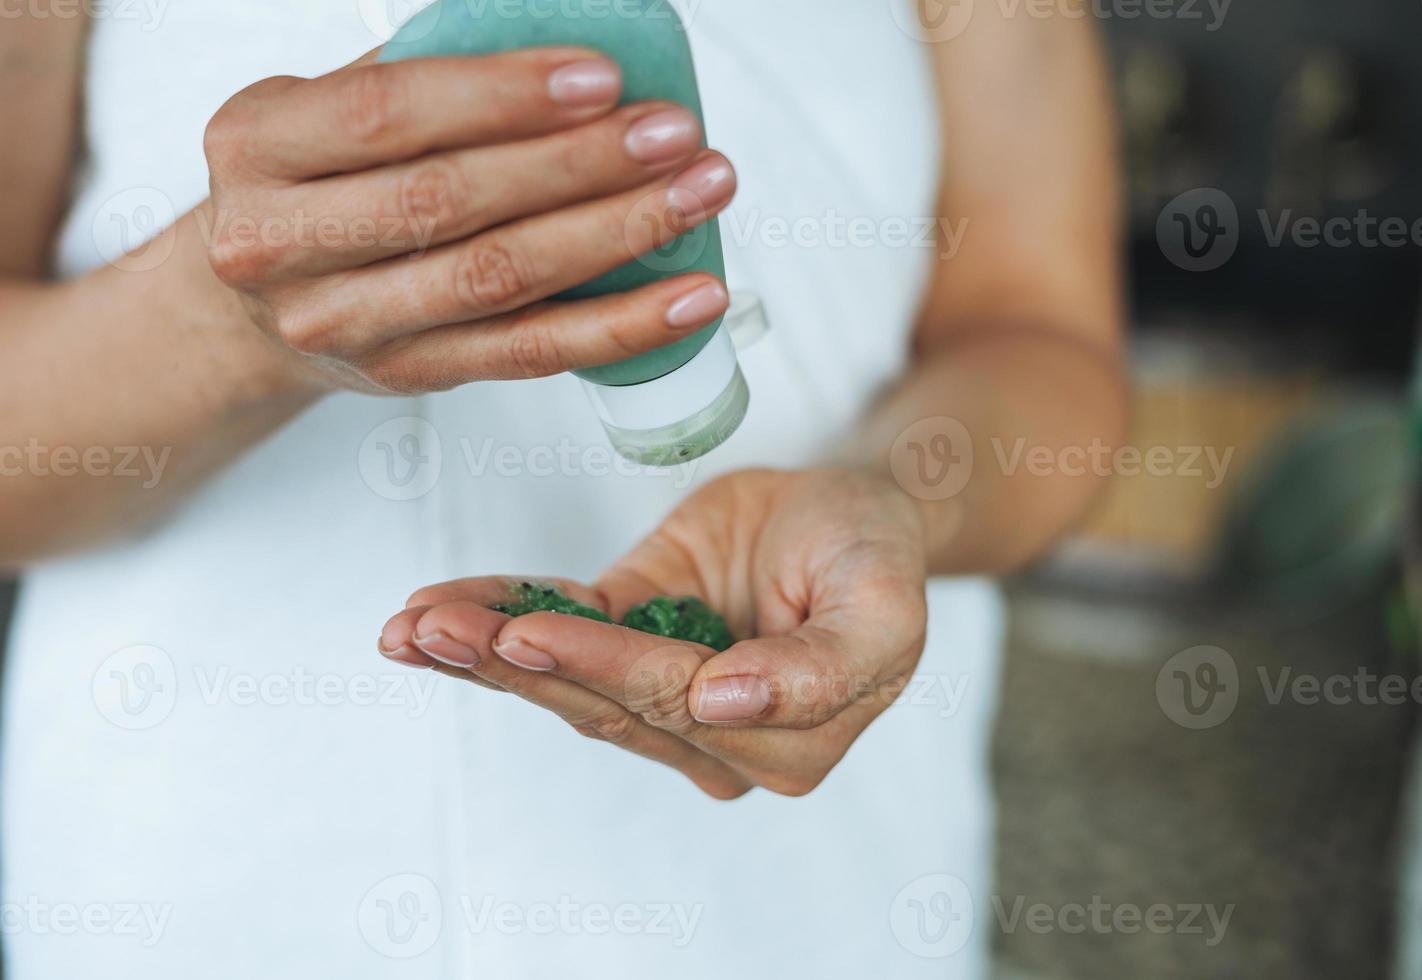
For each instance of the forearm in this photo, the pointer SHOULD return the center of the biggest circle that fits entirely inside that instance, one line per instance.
(40, 63)
(1037, 407)
(1019, 342)
(122, 389)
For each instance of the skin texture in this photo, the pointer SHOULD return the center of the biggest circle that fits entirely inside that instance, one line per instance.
(821, 571)
(40, 56)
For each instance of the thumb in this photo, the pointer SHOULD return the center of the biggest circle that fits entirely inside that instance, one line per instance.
(799, 680)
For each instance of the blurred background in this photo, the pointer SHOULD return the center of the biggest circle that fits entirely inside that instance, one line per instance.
(1146, 752)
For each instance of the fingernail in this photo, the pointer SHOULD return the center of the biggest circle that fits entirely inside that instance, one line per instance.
(703, 187)
(702, 305)
(447, 651)
(733, 699)
(404, 655)
(585, 83)
(663, 136)
(520, 654)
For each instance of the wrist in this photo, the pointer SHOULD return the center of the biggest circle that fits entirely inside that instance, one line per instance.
(256, 367)
(932, 524)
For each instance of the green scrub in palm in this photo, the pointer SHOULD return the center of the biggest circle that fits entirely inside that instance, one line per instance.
(678, 617)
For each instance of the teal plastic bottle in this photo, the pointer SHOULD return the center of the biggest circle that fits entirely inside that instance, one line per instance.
(680, 401)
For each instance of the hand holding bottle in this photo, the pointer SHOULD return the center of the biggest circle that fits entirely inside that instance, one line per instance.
(400, 226)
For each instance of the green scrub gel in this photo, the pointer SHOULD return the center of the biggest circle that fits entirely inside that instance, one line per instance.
(680, 401)
(531, 597)
(676, 617)
(681, 618)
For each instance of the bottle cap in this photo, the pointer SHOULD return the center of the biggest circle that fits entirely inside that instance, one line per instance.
(681, 415)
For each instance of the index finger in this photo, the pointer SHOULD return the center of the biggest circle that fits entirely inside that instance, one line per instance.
(371, 113)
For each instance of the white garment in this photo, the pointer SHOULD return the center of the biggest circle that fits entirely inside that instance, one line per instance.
(192, 763)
